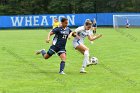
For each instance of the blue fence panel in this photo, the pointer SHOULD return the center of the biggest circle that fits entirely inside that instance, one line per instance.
(105, 19)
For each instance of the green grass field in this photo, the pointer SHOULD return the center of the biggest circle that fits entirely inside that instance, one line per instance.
(23, 72)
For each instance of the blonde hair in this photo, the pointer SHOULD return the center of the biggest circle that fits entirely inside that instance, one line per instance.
(87, 20)
(88, 23)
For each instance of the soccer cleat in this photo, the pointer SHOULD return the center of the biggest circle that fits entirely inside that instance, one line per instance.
(83, 70)
(62, 73)
(90, 64)
(39, 52)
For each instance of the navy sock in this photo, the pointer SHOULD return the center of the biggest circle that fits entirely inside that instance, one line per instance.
(94, 31)
(62, 65)
(43, 52)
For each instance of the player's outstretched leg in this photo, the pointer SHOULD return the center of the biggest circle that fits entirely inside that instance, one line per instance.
(94, 31)
(39, 51)
(62, 64)
(44, 54)
(85, 51)
(85, 61)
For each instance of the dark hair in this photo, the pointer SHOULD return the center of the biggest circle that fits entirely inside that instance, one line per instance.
(56, 18)
(63, 19)
(88, 23)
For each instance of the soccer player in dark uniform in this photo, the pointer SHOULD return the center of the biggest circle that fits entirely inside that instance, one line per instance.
(62, 33)
(94, 26)
(127, 23)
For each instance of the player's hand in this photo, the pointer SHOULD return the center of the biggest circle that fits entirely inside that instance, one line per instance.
(96, 37)
(100, 35)
(48, 40)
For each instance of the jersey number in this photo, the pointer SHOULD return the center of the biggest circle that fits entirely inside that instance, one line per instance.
(64, 36)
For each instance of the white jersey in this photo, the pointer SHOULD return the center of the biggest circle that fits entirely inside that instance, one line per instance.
(82, 34)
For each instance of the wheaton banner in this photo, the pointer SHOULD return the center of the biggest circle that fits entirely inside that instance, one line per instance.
(42, 20)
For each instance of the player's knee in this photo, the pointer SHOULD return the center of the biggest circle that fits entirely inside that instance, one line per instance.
(87, 49)
(63, 56)
(86, 53)
(46, 56)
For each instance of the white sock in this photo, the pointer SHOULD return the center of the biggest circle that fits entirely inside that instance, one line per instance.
(86, 59)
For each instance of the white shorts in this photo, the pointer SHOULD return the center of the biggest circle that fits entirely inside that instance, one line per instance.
(76, 43)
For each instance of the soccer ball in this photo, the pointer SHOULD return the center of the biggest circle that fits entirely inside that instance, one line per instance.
(94, 60)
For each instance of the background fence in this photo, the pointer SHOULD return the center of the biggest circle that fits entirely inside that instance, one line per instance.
(46, 20)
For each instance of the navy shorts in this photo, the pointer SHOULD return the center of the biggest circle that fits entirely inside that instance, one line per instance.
(54, 49)
(127, 24)
(94, 25)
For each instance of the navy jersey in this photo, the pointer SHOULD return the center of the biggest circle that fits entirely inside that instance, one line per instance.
(62, 35)
(55, 34)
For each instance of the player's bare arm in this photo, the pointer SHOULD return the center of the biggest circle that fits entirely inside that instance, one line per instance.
(92, 38)
(48, 37)
(69, 37)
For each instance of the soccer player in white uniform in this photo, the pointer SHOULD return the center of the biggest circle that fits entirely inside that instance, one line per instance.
(80, 33)
(94, 26)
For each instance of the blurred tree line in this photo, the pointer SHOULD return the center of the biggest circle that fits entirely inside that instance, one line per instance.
(14, 7)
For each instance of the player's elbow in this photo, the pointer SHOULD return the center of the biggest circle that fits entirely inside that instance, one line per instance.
(51, 33)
